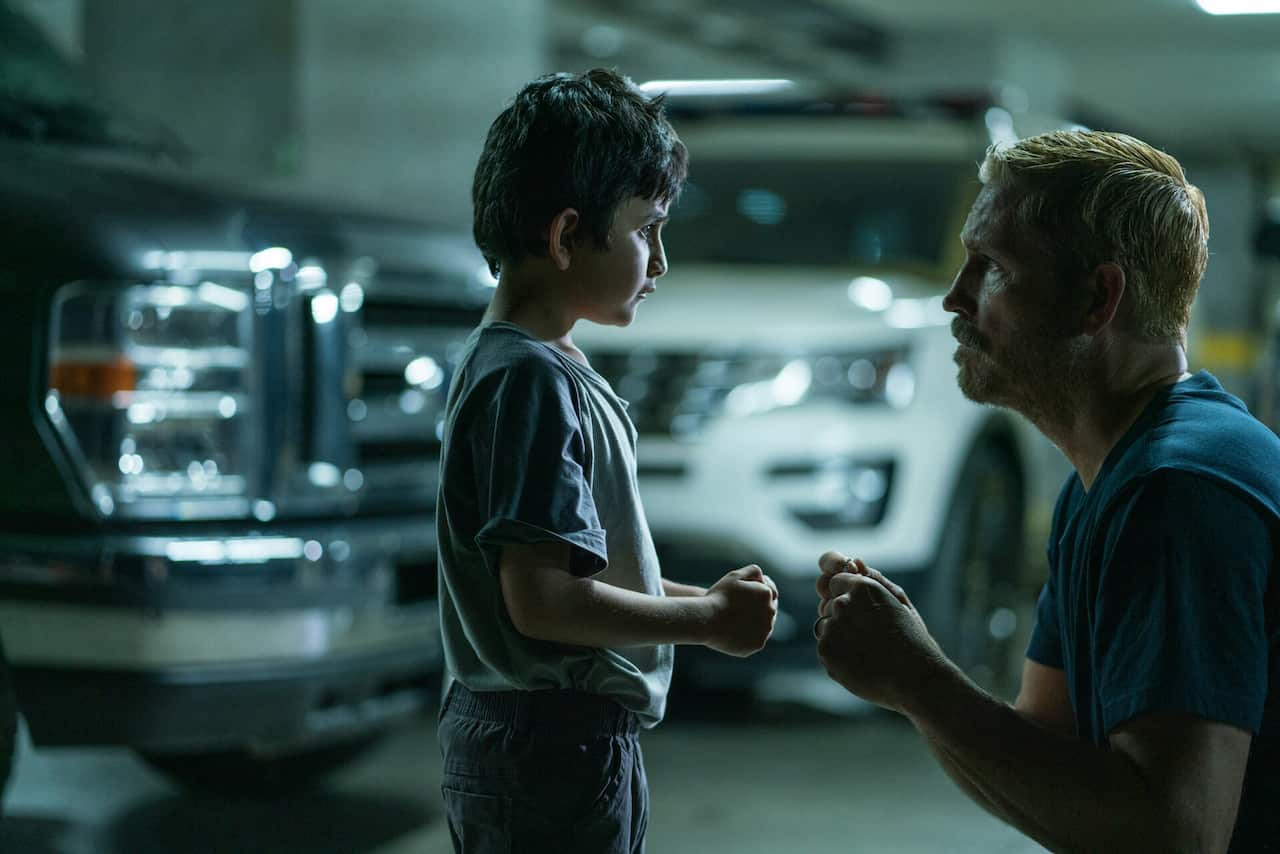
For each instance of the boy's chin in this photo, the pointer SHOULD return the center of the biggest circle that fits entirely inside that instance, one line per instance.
(622, 317)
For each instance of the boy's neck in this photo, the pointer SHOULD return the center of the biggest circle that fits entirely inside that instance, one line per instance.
(537, 309)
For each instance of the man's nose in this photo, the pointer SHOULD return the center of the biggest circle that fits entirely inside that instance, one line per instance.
(957, 299)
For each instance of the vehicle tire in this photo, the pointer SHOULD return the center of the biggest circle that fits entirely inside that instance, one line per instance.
(972, 604)
(242, 773)
(8, 725)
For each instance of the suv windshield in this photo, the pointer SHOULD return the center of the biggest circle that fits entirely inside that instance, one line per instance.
(893, 213)
(45, 98)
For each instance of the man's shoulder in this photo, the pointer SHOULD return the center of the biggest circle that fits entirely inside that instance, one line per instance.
(1208, 476)
(1211, 437)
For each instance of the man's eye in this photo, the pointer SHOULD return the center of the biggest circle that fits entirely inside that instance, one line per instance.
(648, 229)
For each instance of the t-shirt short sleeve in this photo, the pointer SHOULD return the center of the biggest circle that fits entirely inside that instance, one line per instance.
(532, 465)
(1046, 638)
(1179, 623)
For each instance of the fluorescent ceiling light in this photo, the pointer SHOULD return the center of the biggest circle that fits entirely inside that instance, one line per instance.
(1240, 7)
(716, 87)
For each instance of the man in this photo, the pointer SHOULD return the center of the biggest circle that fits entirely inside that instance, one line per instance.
(1149, 713)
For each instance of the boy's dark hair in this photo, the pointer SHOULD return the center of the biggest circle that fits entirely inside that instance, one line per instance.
(583, 141)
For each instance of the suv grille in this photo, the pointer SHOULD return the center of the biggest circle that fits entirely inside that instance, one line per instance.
(673, 394)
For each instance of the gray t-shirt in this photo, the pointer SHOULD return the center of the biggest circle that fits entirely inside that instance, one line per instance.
(538, 448)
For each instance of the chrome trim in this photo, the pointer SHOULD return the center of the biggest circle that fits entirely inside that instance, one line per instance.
(342, 554)
(53, 634)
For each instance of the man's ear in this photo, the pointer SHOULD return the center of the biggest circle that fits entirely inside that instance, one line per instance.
(1104, 287)
(561, 236)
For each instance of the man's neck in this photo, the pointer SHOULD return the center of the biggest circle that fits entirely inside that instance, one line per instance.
(1106, 400)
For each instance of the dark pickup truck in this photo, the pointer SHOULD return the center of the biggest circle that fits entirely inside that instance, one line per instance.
(218, 455)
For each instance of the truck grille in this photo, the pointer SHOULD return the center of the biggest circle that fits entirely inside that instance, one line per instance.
(404, 355)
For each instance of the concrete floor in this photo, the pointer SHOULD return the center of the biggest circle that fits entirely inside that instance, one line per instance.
(780, 779)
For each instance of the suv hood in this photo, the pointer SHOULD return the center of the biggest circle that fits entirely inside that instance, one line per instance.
(782, 307)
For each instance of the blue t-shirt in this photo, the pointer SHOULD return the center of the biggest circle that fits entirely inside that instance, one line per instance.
(1162, 595)
(537, 448)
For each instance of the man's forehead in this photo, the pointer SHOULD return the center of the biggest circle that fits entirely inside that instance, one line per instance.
(989, 215)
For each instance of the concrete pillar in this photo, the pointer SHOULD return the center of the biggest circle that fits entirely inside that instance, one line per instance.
(60, 19)
(396, 96)
(1231, 310)
(222, 75)
(382, 103)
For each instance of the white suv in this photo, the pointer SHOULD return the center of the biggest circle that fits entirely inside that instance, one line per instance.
(793, 385)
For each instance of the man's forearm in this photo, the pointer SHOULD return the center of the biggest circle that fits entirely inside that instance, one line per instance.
(587, 612)
(958, 776)
(1066, 794)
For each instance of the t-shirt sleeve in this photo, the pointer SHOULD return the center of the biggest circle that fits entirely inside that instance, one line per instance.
(1046, 637)
(1179, 623)
(532, 466)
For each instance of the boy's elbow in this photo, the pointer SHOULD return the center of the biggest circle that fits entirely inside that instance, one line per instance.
(530, 609)
(527, 619)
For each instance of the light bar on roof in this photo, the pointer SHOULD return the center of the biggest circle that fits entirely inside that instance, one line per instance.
(716, 87)
(1240, 7)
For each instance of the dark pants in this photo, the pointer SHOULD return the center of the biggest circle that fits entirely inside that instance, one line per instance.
(527, 772)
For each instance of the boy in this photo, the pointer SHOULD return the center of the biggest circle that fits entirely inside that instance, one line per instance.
(557, 625)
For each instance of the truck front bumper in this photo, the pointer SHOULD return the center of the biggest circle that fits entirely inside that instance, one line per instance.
(266, 708)
(288, 635)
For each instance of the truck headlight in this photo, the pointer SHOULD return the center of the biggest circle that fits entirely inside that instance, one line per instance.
(148, 388)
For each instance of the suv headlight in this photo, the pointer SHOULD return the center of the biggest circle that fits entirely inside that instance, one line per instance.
(149, 389)
(882, 377)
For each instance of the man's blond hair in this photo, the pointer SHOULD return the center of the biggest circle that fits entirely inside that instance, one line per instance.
(1096, 197)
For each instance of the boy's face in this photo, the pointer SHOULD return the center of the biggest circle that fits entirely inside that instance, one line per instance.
(612, 282)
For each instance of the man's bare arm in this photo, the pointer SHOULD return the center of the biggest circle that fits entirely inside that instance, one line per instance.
(1043, 700)
(545, 601)
(1167, 783)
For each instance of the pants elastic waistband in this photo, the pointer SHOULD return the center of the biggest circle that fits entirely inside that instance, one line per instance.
(569, 713)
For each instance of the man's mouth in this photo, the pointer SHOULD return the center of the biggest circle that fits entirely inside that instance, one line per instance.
(965, 336)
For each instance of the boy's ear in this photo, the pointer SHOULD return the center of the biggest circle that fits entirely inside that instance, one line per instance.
(561, 236)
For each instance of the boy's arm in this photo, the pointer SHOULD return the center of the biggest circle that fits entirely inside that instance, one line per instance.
(547, 602)
(675, 588)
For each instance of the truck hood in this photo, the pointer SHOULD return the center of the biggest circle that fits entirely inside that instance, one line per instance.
(776, 307)
(96, 214)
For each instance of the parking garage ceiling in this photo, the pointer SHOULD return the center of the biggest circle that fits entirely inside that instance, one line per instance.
(1162, 68)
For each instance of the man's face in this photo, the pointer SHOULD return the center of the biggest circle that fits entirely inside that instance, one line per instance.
(1016, 346)
(614, 281)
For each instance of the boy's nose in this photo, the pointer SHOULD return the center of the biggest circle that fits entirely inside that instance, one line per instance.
(657, 262)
